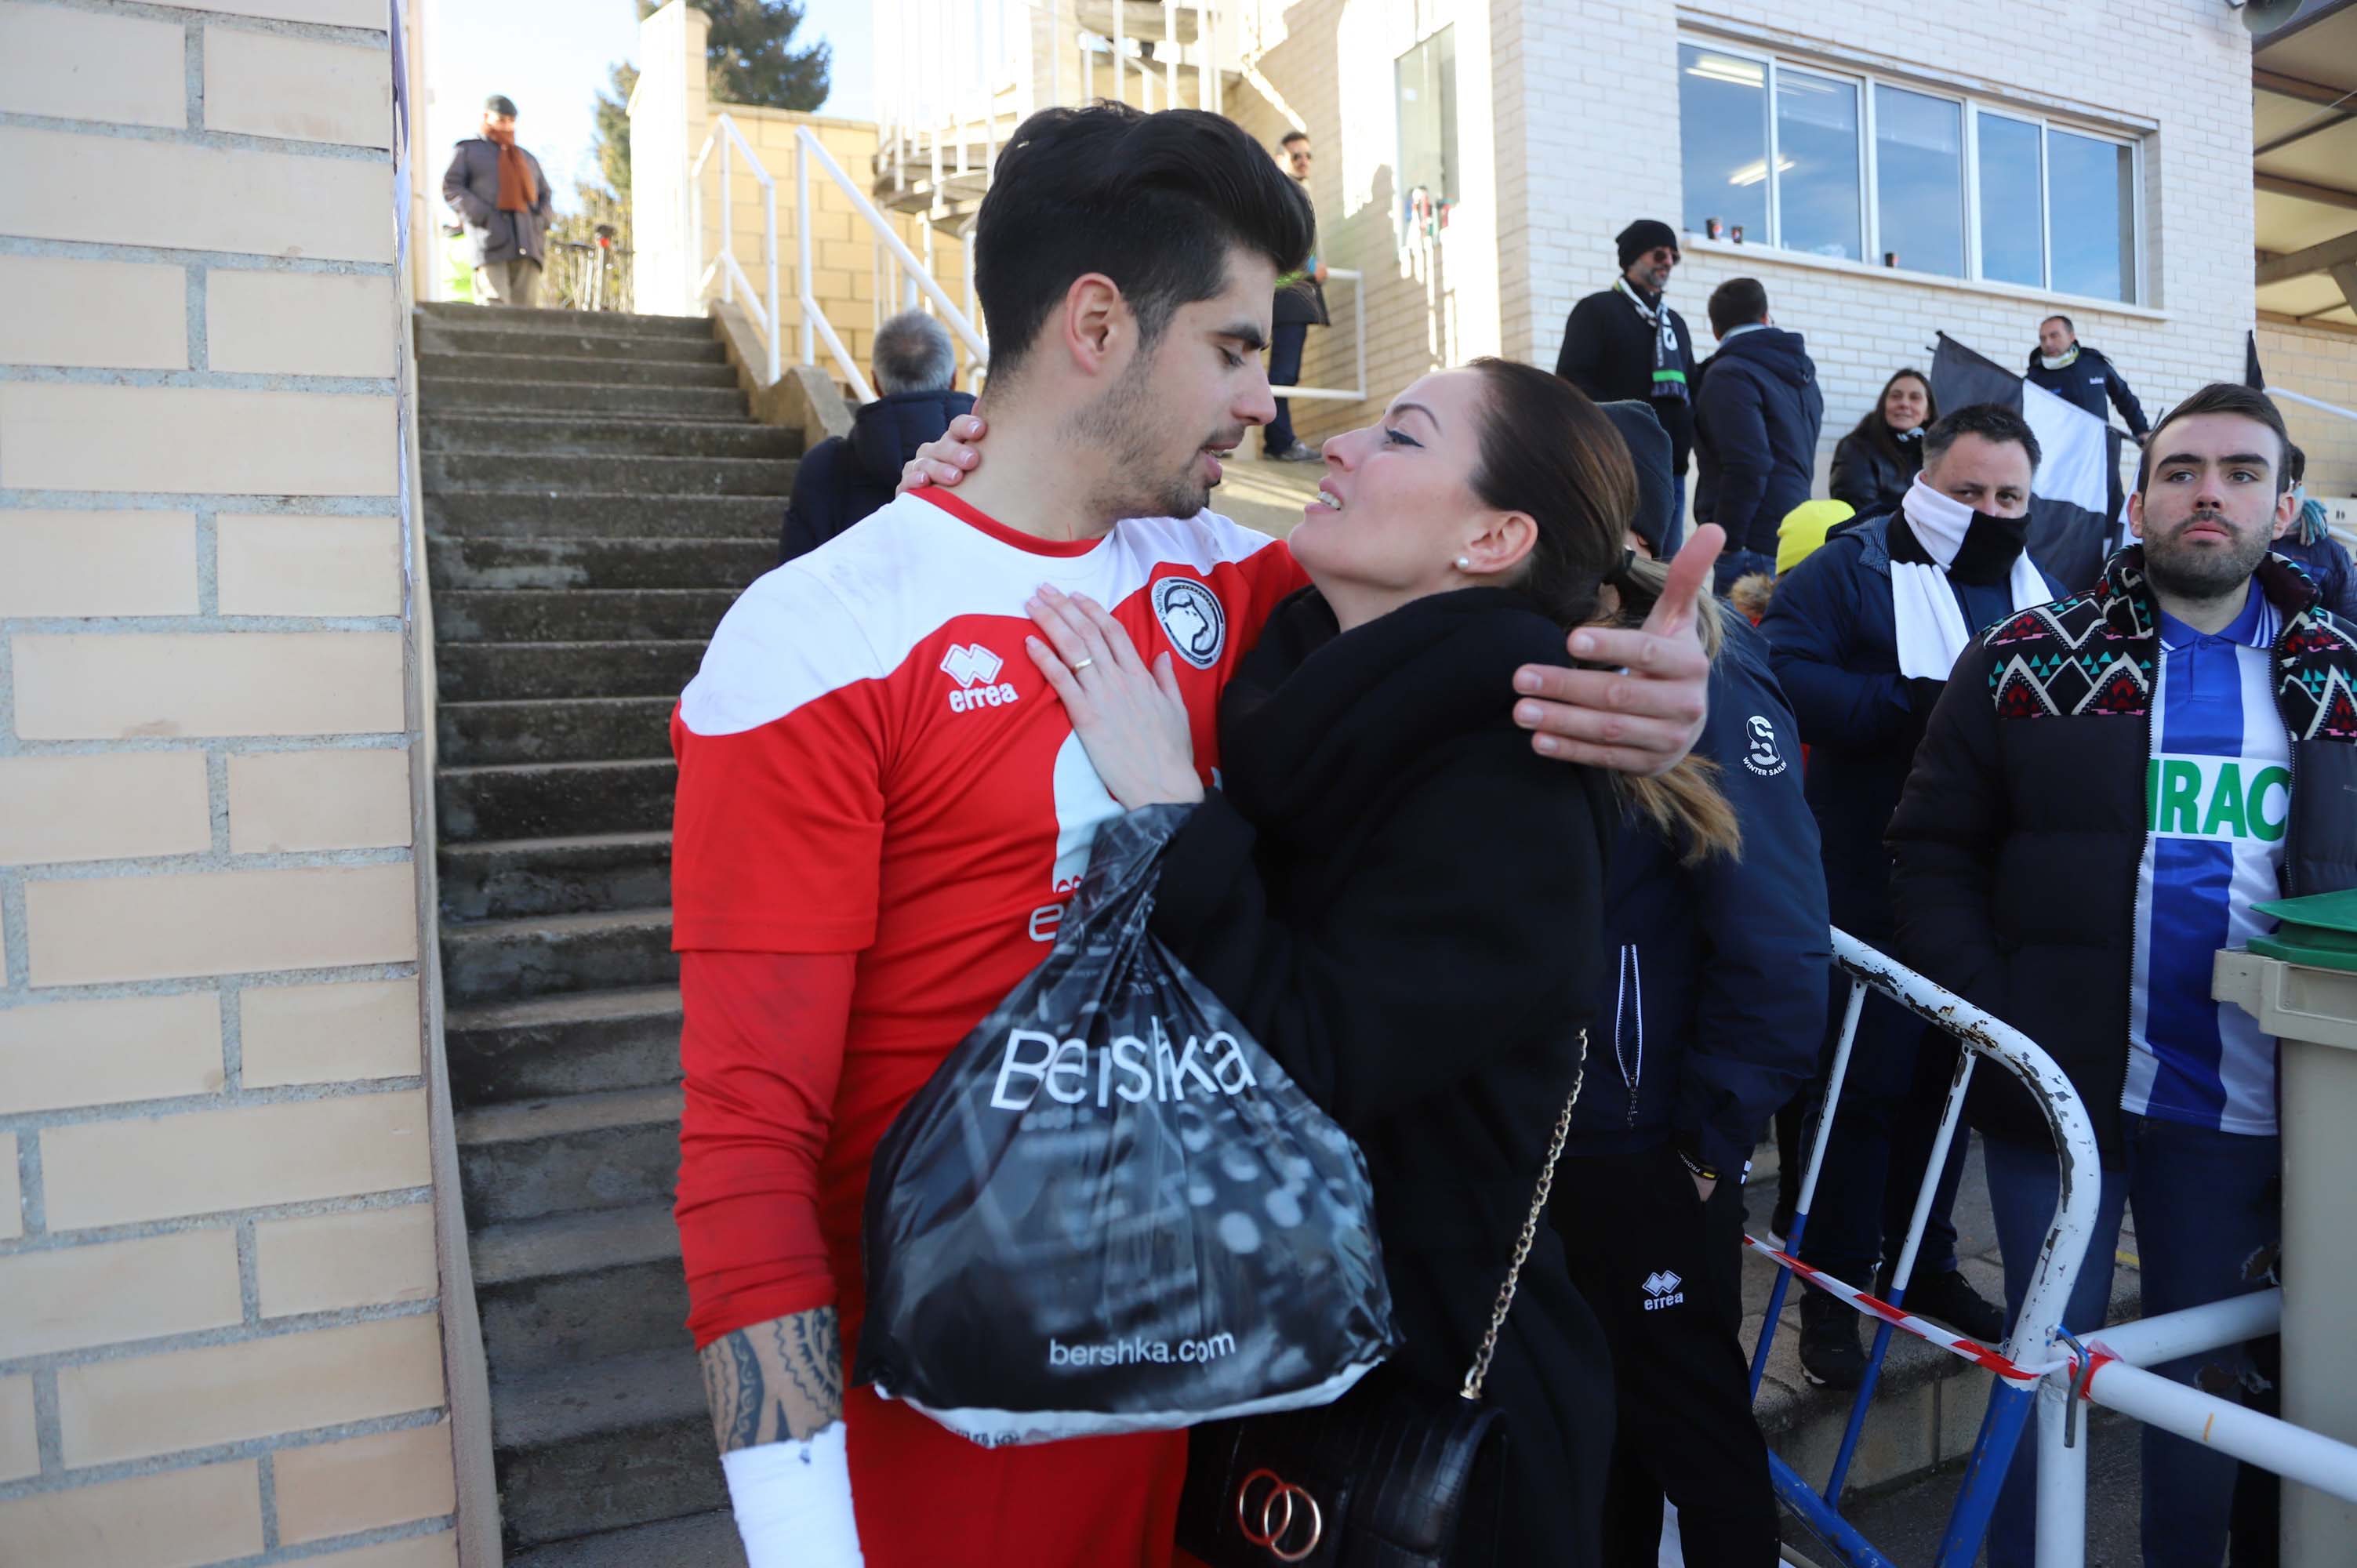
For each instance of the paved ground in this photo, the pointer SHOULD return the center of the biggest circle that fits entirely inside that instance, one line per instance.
(1266, 495)
(1906, 1519)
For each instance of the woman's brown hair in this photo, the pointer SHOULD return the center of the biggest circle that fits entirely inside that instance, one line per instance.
(1549, 452)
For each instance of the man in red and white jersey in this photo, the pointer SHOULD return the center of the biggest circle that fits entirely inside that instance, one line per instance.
(882, 809)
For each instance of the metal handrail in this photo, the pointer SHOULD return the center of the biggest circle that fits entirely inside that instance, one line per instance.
(724, 136)
(814, 323)
(1357, 282)
(2010, 1401)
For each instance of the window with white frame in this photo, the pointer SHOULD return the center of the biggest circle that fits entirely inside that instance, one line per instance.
(1829, 163)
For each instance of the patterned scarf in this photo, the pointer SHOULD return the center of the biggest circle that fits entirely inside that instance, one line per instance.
(1669, 370)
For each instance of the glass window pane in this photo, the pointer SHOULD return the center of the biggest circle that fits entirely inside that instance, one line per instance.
(1919, 180)
(2013, 238)
(1723, 122)
(1426, 79)
(2094, 182)
(1816, 165)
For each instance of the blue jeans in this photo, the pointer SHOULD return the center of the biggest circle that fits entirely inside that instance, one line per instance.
(1285, 341)
(1883, 1130)
(2206, 1201)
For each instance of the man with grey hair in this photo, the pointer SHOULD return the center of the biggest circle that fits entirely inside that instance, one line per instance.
(842, 479)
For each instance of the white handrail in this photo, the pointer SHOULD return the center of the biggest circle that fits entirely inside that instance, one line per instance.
(726, 137)
(1357, 282)
(805, 146)
(2313, 401)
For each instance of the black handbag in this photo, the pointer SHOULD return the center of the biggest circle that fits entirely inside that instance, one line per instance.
(1387, 1476)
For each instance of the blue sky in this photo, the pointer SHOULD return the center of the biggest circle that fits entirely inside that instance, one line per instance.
(550, 57)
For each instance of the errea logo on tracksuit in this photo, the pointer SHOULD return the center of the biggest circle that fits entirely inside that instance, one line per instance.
(975, 669)
(1662, 1290)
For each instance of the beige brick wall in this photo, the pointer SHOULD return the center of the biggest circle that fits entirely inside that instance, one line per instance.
(221, 1338)
(2323, 362)
(1568, 129)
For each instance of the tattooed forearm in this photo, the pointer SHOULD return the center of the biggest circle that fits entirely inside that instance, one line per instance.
(776, 1379)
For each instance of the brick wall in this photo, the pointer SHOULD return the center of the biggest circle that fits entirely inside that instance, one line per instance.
(221, 1341)
(2323, 362)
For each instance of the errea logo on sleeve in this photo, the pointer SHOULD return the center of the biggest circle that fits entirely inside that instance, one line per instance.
(976, 669)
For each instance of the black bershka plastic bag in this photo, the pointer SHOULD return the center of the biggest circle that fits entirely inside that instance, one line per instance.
(1110, 1210)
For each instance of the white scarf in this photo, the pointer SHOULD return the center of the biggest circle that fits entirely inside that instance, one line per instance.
(1932, 631)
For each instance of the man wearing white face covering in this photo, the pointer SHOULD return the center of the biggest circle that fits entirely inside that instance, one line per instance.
(1862, 635)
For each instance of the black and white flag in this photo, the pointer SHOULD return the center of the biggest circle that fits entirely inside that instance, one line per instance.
(2075, 504)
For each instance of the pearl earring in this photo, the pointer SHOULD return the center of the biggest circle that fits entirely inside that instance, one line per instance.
(1464, 564)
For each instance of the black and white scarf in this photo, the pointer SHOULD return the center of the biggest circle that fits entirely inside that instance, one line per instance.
(1669, 369)
(1932, 536)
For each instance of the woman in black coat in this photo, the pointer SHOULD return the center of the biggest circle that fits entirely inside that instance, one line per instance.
(1875, 463)
(1396, 896)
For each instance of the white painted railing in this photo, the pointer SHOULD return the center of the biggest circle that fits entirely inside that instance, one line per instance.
(814, 323)
(726, 137)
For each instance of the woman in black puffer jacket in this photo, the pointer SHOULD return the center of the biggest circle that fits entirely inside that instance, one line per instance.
(1875, 463)
(1400, 898)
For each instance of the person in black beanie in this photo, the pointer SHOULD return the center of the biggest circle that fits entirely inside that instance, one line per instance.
(1626, 343)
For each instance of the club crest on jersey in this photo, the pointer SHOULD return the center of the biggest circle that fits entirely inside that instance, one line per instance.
(1192, 619)
(976, 669)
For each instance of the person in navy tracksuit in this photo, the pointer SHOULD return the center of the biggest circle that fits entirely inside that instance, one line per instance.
(1709, 1022)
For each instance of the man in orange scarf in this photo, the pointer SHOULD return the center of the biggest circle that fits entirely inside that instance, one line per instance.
(499, 190)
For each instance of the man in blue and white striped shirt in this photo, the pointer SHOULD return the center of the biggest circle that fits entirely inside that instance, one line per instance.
(2108, 786)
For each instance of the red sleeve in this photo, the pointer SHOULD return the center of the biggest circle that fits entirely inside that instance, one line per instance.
(762, 1050)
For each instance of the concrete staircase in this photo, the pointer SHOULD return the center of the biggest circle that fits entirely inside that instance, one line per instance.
(595, 495)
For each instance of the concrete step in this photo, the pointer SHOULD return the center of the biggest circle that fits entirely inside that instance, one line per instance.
(603, 1445)
(590, 1043)
(646, 476)
(729, 565)
(572, 1154)
(552, 800)
(456, 394)
(510, 514)
(435, 367)
(539, 338)
(604, 436)
(579, 1287)
(509, 671)
(699, 1540)
(499, 318)
(569, 729)
(509, 879)
(577, 615)
(542, 955)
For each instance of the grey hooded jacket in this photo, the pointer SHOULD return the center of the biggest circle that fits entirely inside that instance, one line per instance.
(472, 188)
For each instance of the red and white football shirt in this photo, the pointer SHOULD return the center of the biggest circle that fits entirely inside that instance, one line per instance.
(870, 764)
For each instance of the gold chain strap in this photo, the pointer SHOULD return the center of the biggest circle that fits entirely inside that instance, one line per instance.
(1480, 1372)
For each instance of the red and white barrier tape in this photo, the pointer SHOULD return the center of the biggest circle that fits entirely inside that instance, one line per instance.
(1923, 1328)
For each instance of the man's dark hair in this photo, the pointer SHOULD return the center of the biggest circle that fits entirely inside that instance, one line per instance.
(1153, 201)
(1292, 136)
(2224, 397)
(1738, 302)
(1990, 421)
(913, 354)
(2065, 320)
(2294, 463)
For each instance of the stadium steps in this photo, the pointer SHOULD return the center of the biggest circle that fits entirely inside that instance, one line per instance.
(595, 494)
